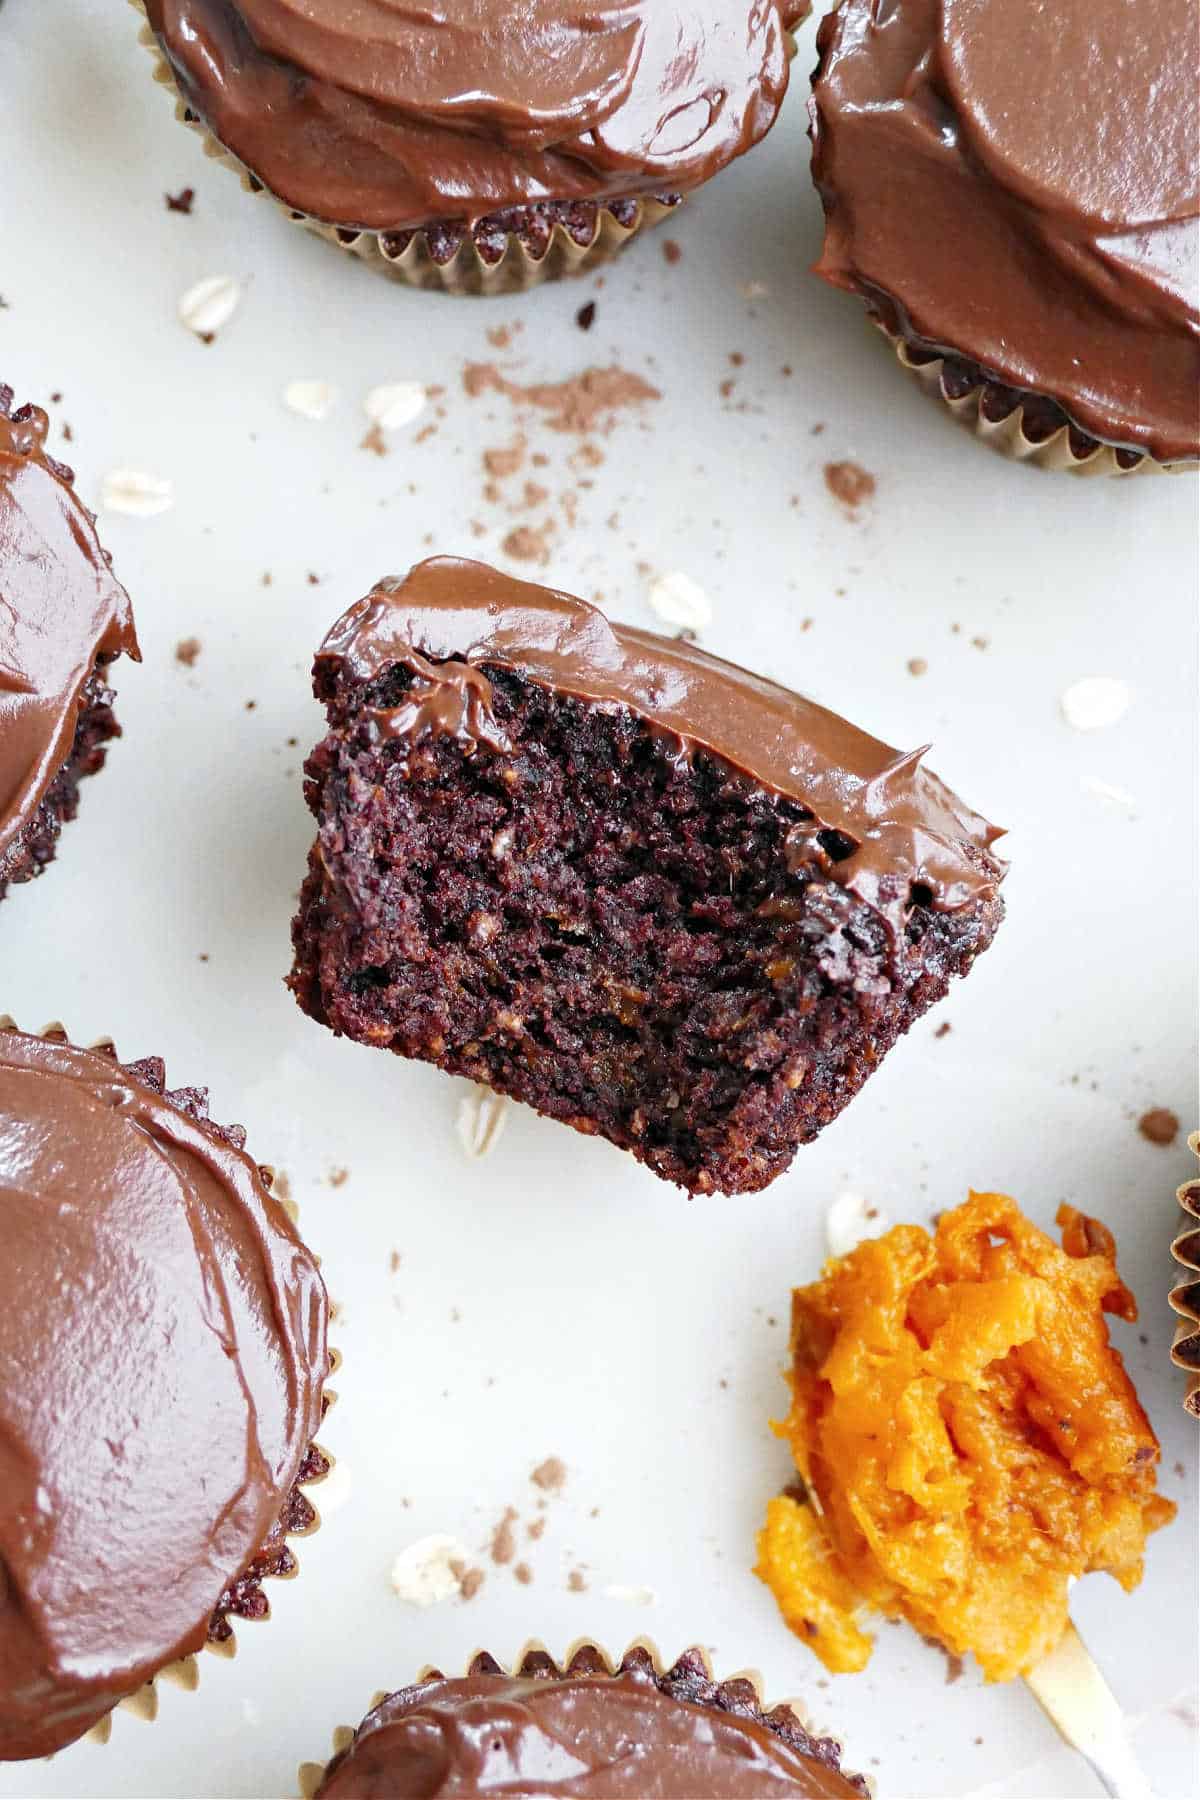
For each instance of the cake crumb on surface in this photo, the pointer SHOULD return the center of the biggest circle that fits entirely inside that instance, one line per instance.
(850, 484)
(551, 1475)
(917, 665)
(187, 650)
(503, 1547)
(672, 252)
(180, 202)
(523, 1573)
(576, 1582)
(1159, 1126)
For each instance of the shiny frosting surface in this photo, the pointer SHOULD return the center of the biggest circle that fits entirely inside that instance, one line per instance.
(594, 1738)
(60, 608)
(449, 621)
(162, 1354)
(1022, 184)
(385, 114)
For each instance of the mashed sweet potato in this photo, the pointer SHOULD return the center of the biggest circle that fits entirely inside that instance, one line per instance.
(966, 1436)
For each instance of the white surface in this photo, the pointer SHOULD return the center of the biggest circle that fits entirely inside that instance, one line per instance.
(556, 1299)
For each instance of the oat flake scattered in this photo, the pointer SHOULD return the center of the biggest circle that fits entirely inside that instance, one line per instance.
(395, 404)
(481, 1120)
(851, 1220)
(1095, 702)
(133, 492)
(631, 1596)
(424, 1574)
(210, 304)
(681, 601)
(310, 399)
(1115, 796)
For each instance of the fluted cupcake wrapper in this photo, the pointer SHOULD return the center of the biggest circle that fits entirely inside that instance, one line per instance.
(1185, 1296)
(414, 265)
(1007, 435)
(184, 1673)
(689, 1677)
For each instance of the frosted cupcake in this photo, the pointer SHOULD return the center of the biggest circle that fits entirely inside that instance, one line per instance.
(478, 147)
(1015, 193)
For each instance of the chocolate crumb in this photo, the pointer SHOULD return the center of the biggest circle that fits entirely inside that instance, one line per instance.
(251, 705)
(1159, 1125)
(849, 484)
(338, 1177)
(576, 1584)
(1180, 1470)
(375, 442)
(394, 1261)
(551, 1475)
(917, 665)
(944, 1029)
(671, 251)
(180, 202)
(314, 580)
(523, 1573)
(268, 578)
(68, 434)
(505, 461)
(581, 404)
(525, 544)
(585, 318)
(535, 1528)
(187, 650)
(470, 1582)
(503, 1547)
(954, 1668)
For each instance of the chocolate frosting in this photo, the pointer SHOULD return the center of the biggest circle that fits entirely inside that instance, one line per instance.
(1021, 186)
(589, 1737)
(880, 824)
(61, 608)
(162, 1353)
(382, 115)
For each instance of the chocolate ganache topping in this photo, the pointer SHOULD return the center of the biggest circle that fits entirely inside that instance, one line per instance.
(1021, 186)
(880, 823)
(162, 1354)
(383, 115)
(61, 609)
(589, 1737)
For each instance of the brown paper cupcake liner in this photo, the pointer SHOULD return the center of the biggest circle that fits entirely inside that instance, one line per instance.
(1007, 434)
(688, 1678)
(405, 256)
(245, 1598)
(1185, 1296)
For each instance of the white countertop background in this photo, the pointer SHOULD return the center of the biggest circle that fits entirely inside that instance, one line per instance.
(556, 1299)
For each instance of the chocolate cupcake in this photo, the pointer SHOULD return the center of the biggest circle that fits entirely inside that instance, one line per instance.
(586, 1729)
(652, 895)
(1015, 193)
(162, 1367)
(64, 618)
(483, 147)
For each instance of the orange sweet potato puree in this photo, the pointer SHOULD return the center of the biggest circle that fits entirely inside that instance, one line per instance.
(966, 1436)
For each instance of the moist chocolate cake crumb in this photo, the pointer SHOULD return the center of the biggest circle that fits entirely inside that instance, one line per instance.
(523, 1573)
(585, 318)
(503, 1547)
(944, 1029)
(187, 650)
(672, 252)
(1159, 1125)
(470, 1582)
(850, 485)
(551, 1475)
(917, 665)
(580, 405)
(180, 202)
